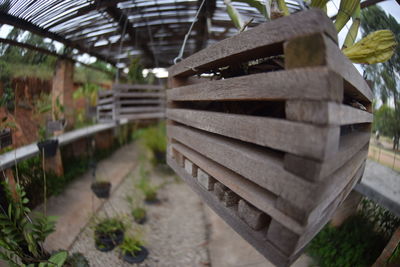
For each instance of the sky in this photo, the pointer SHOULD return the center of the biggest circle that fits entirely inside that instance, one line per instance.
(389, 6)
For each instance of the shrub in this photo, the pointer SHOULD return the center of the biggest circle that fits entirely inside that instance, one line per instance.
(354, 244)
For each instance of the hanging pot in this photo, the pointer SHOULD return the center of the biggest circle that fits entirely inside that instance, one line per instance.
(5, 138)
(48, 147)
(138, 257)
(101, 189)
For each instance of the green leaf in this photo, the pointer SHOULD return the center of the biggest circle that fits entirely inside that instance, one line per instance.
(256, 4)
(59, 258)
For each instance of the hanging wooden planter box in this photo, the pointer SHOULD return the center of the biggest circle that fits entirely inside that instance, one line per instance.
(274, 153)
(127, 101)
(5, 138)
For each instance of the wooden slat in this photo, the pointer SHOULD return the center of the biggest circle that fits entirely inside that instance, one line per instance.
(154, 115)
(103, 107)
(260, 166)
(325, 192)
(325, 113)
(257, 196)
(297, 138)
(105, 93)
(125, 110)
(121, 86)
(315, 171)
(228, 214)
(319, 50)
(139, 95)
(261, 41)
(308, 83)
(140, 102)
(105, 101)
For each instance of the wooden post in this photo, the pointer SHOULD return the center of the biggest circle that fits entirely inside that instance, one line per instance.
(388, 250)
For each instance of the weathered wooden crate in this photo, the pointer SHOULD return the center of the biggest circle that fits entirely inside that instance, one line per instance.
(274, 153)
(128, 101)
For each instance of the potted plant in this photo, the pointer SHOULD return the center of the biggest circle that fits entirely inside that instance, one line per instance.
(57, 125)
(101, 188)
(138, 211)
(154, 138)
(76, 260)
(149, 190)
(22, 236)
(5, 133)
(46, 145)
(132, 250)
(108, 233)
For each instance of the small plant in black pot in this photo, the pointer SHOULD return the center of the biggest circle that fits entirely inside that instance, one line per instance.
(76, 260)
(132, 250)
(137, 210)
(101, 188)
(47, 146)
(108, 233)
(5, 132)
(154, 138)
(149, 190)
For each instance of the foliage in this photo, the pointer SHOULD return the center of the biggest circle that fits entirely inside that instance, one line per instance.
(149, 190)
(385, 121)
(354, 244)
(84, 74)
(154, 138)
(76, 260)
(131, 245)
(22, 237)
(383, 220)
(89, 92)
(135, 73)
(385, 75)
(138, 213)
(109, 225)
(395, 255)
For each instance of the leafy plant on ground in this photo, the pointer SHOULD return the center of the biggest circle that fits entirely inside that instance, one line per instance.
(353, 244)
(131, 245)
(383, 220)
(149, 190)
(23, 237)
(155, 139)
(109, 225)
(137, 210)
(76, 260)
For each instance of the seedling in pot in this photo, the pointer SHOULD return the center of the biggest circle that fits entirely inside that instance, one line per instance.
(108, 233)
(42, 109)
(149, 190)
(132, 250)
(5, 132)
(101, 188)
(137, 210)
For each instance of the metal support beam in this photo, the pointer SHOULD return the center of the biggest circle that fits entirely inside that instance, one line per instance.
(25, 25)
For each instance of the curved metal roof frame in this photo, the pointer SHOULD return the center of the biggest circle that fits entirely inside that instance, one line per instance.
(115, 30)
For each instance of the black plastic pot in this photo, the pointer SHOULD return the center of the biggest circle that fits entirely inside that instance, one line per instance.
(107, 242)
(139, 256)
(141, 220)
(152, 202)
(101, 189)
(5, 138)
(160, 157)
(49, 147)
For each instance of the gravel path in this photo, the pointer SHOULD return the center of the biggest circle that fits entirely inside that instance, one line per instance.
(175, 232)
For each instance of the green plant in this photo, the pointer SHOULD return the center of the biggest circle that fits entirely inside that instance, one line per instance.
(149, 190)
(155, 139)
(138, 213)
(5, 123)
(58, 110)
(382, 219)
(23, 237)
(109, 225)
(131, 245)
(76, 260)
(354, 244)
